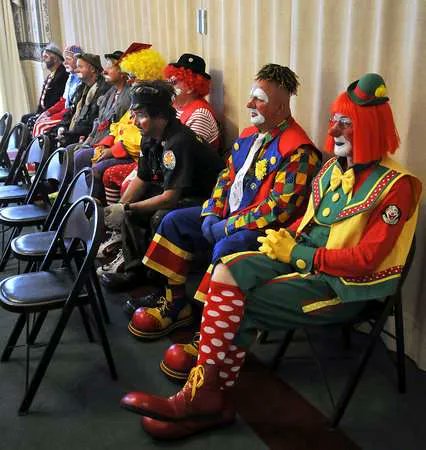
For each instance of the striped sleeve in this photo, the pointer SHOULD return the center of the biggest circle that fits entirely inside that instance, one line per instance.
(204, 124)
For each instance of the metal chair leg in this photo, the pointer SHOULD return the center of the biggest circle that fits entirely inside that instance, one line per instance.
(359, 370)
(400, 347)
(86, 323)
(100, 295)
(44, 361)
(13, 338)
(37, 327)
(102, 334)
(7, 249)
(282, 349)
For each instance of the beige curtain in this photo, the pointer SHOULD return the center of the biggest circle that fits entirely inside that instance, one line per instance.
(13, 97)
(327, 42)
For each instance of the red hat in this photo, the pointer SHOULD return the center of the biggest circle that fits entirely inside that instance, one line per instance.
(134, 47)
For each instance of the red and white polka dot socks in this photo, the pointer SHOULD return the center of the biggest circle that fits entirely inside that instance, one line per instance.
(221, 319)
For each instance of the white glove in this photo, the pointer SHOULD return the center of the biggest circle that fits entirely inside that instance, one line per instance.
(114, 215)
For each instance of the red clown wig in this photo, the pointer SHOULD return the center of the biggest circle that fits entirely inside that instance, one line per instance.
(374, 131)
(194, 81)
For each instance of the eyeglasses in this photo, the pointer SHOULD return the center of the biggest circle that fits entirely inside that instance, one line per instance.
(342, 121)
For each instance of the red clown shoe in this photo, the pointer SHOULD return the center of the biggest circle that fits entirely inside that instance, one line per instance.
(153, 323)
(200, 397)
(179, 359)
(178, 430)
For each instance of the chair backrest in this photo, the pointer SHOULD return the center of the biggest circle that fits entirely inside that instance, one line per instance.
(80, 186)
(16, 140)
(53, 178)
(83, 225)
(35, 153)
(5, 125)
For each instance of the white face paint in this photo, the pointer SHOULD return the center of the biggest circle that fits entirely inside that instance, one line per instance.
(178, 91)
(342, 147)
(256, 118)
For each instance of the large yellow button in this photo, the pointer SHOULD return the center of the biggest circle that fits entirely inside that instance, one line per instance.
(326, 212)
(300, 264)
(335, 197)
(236, 146)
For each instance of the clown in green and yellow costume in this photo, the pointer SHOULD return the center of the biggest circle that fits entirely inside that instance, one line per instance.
(350, 247)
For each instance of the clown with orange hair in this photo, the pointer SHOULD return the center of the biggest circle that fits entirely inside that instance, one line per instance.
(191, 84)
(350, 247)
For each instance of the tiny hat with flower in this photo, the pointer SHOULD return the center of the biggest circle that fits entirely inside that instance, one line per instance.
(53, 48)
(369, 90)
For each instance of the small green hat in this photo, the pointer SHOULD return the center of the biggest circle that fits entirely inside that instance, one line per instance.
(369, 90)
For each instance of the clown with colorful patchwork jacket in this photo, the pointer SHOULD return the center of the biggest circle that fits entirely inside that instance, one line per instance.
(266, 183)
(350, 247)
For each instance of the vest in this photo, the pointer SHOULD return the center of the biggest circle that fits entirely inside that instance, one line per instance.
(348, 227)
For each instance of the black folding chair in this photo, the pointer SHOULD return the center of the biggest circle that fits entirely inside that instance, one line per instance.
(16, 140)
(376, 314)
(32, 247)
(18, 182)
(38, 209)
(64, 288)
(5, 126)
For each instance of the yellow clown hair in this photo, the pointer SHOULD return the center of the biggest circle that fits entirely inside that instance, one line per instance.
(146, 64)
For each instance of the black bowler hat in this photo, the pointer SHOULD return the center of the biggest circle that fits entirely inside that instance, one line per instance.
(192, 62)
(92, 59)
(116, 55)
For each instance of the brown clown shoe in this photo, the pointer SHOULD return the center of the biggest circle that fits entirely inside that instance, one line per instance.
(164, 430)
(179, 359)
(200, 397)
(154, 323)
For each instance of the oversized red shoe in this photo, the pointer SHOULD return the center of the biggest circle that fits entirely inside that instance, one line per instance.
(179, 359)
(153, 323)
(201, 396)
(178, 430)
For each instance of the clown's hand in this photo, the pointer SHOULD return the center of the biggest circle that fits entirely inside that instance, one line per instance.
(114, 215)
(277, 244)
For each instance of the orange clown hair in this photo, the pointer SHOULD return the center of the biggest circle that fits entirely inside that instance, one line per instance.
(194, 81)
(374, 131)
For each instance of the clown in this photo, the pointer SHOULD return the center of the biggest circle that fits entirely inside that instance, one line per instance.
(116, 140)
(266, 183)
(53, 115)
(350, 247)
(191, 84)
(176, 168)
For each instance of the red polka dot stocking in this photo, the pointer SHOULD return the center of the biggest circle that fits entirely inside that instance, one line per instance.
(222, 315)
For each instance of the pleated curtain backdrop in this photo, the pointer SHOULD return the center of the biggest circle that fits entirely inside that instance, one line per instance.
(327, 42)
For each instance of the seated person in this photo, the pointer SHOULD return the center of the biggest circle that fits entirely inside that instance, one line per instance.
(53, 115)
(115, 139)
(266, 183)
(54, 83)
(78, 120)
(192, 84)
(350, 247)
(175, 168)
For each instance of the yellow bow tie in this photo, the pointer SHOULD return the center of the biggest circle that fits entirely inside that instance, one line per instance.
(347, 179)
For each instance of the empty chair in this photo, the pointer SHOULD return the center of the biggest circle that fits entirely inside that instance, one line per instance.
(16, 140)
(18, 183)
(38, 209)
(5, 126)
(58, 288)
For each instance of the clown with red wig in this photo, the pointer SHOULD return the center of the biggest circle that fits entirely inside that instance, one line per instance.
(192, 84)
(350, 247)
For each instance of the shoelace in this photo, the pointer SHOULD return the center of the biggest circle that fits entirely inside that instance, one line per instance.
(113, 265)
(195, 380)
(163, 306)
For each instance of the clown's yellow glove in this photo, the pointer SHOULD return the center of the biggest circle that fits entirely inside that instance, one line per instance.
(277, 244)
